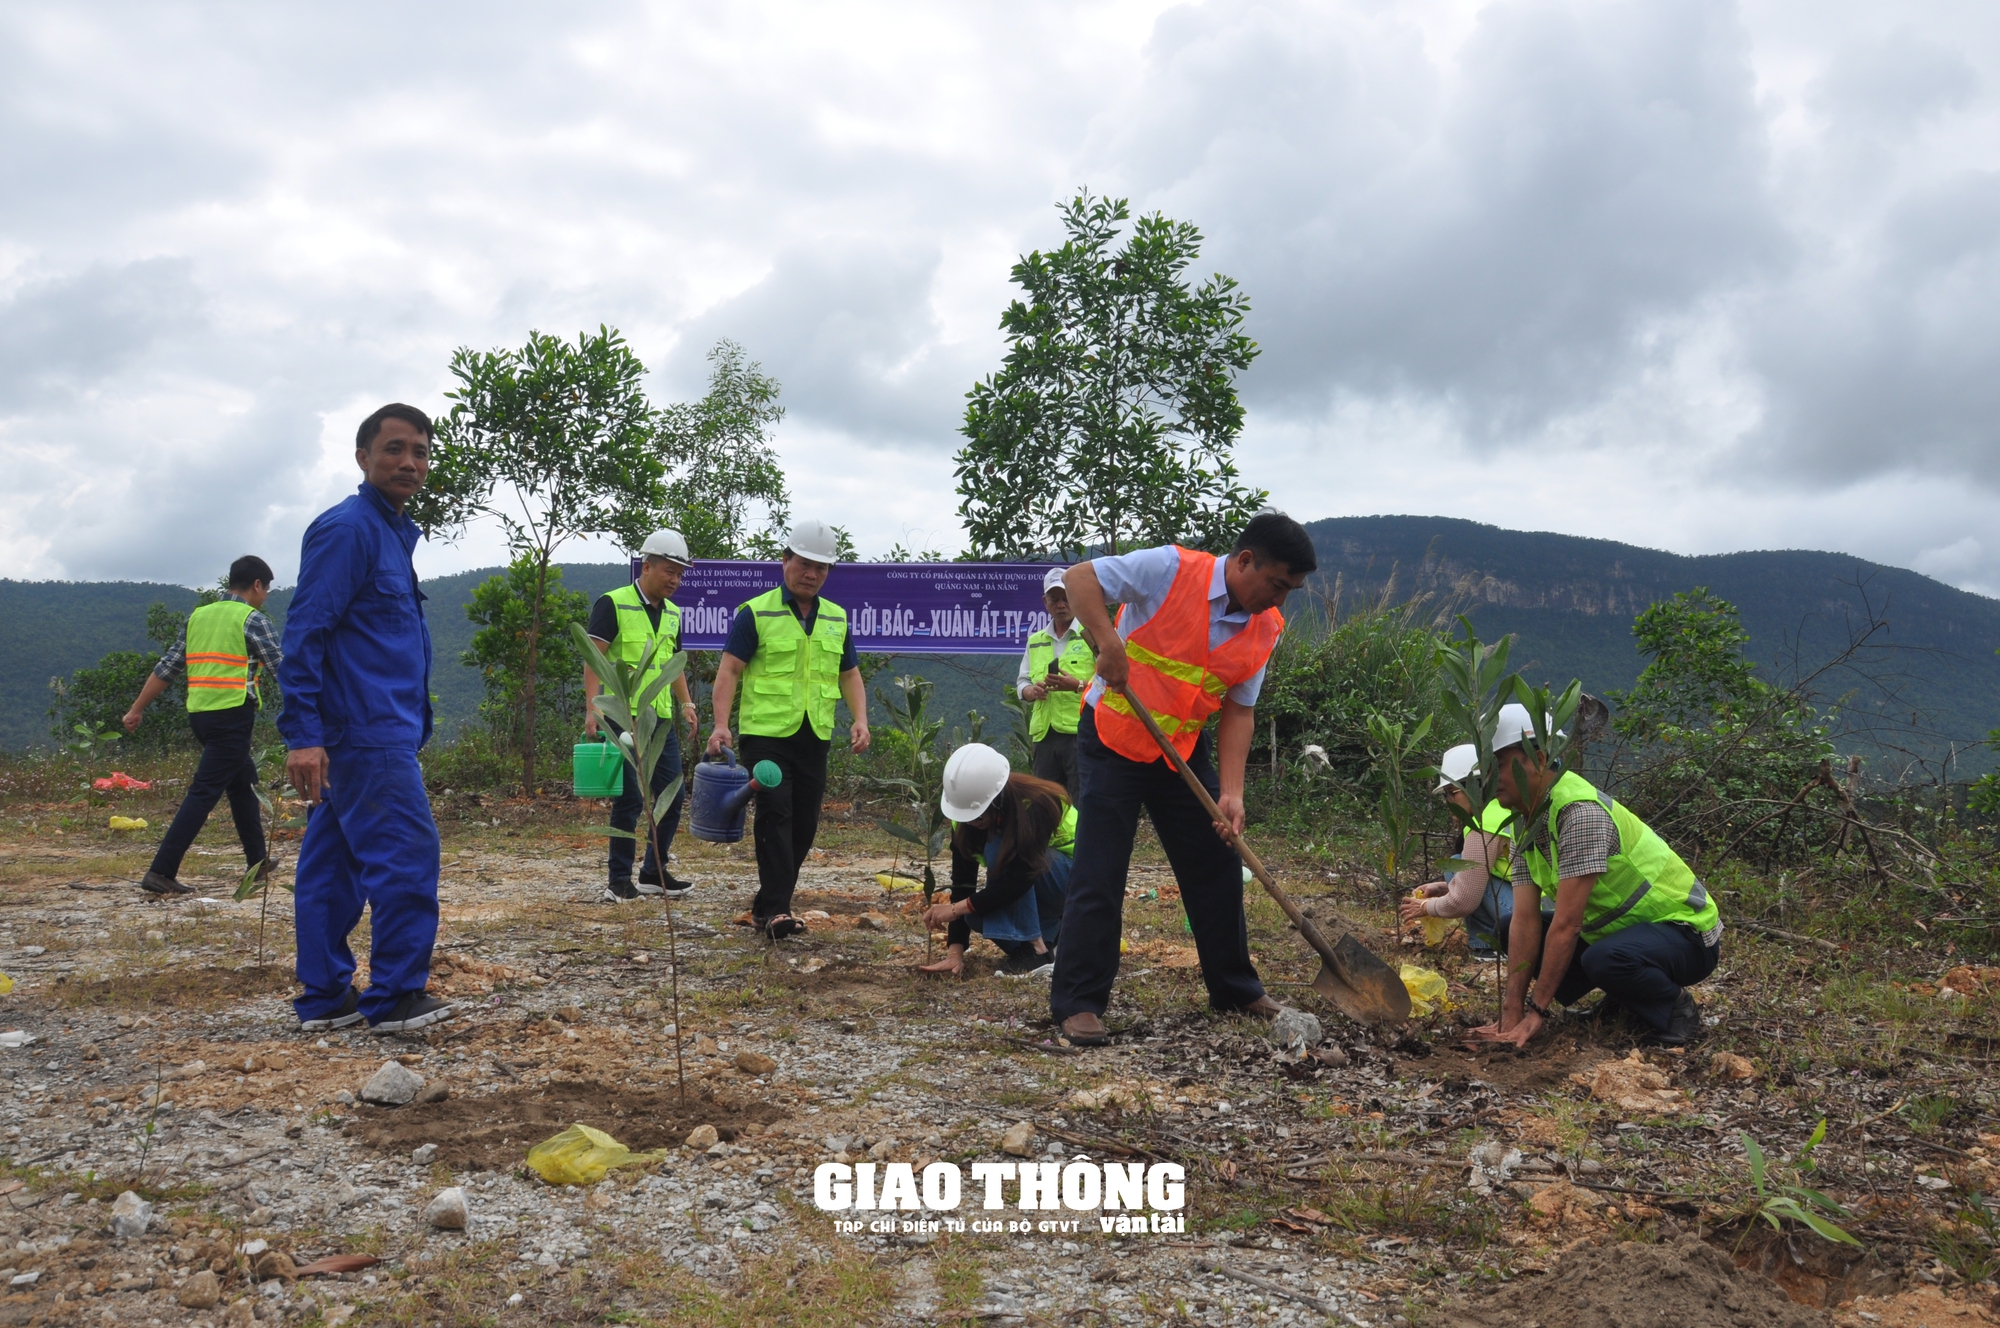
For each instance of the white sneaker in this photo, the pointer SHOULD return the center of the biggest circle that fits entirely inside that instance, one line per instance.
(649, 890)
(611, 896)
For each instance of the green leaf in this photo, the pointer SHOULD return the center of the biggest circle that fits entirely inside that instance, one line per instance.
(901, 832)
(1756, 1156)
(666, 799)
(1827, 1229)
(616, 833)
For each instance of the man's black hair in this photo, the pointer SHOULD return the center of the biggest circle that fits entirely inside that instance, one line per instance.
(364, 437)
(1273, 536)
(247, 571)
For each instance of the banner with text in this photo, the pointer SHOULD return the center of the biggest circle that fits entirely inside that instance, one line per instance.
(892, 608)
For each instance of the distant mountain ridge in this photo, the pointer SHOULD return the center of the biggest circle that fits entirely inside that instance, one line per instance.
(1571, 600)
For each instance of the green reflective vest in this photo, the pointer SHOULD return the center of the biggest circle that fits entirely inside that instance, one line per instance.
(1492, 819)
(792, 675)
(1645, 881)
(636, 632)
(218, 656)
(1058, 710)
(1064, 839)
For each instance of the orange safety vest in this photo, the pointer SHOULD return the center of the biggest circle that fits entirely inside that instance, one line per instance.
(1180, 680)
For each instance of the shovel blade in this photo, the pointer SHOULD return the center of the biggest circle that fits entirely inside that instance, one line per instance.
(1361, 986)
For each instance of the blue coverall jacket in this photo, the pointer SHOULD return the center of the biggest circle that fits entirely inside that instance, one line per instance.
(355, 632)
(356, 680)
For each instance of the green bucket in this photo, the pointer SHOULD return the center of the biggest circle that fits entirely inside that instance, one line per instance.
(596, 770)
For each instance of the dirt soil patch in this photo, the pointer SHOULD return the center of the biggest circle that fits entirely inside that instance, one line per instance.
(1538, 1070)
(1686, 1284)
(204, 988)
(495, 1132)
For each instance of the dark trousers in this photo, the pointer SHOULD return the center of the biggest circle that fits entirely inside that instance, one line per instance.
(1055, 760)
(1210, 874)
(625, 809)
(226, 768)
(788, 815)
(371, 841)
(1642, 967)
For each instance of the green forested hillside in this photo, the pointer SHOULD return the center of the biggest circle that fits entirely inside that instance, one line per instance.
(1570, 600)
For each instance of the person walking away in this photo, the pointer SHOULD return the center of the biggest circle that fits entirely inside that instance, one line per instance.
(1024, 829)
(623, 623)
(1197, 631)
(790, 652)
(1478, 892)
(1630, 916)
(225, 648)
(356, 681)
(1055, 669)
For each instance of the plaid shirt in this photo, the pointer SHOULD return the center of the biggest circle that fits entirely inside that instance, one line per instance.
(1586, 838)
(258, 635)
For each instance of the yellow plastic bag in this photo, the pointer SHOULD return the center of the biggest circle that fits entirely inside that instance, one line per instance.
(1427, 990)
(581, 1156)
(889, 882)
(1434, 927)
(128, 823)
(6, 984)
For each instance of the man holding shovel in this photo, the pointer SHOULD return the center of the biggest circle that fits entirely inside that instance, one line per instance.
(1197, 632)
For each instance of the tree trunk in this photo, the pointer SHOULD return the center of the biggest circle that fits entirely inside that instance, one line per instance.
(528, 680)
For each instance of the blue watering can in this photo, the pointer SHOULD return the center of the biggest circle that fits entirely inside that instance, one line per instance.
(722, 789)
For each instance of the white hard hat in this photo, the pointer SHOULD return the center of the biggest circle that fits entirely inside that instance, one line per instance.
(1054, 580)
(1514, 726)
(814, 540)
(667, 544)
(973, 777)
(1456, 764)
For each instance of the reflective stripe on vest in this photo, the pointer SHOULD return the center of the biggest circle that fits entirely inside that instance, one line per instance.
(1180, 680)
(792, 676)
(1645, 881)
(1058, 710)
(218, 656)
(636, 632)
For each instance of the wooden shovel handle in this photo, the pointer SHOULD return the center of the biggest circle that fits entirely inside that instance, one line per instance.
(1250, 858)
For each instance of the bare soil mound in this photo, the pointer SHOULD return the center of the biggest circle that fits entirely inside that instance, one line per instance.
(495, 1132)
(1686, 1284)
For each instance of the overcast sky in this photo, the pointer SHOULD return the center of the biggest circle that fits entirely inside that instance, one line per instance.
(1691, 274)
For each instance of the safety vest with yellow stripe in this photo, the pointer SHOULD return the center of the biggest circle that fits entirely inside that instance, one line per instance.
(1175, 674)
(1058, 710)
(1645, 881)
(792, 675)
(218, 656)
(636, 631)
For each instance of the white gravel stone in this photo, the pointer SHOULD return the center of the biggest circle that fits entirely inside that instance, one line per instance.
(447, 1212)
(130, 1215)
(394, 1085)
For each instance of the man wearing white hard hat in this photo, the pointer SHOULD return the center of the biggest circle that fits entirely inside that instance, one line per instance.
(1630, 916)
(1024, 829)
(623, 623)
(1056, 670)
(1477, 892)
(791, 655)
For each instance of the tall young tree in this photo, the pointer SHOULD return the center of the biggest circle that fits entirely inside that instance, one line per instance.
(555, 441)
(1114, 415)
(724, 472)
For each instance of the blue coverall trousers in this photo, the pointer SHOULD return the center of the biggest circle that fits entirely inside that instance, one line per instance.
(371, 842)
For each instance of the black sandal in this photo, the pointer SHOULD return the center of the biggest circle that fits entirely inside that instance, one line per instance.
(781, 926)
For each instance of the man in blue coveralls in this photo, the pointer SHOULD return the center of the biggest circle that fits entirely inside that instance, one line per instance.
(356, 682)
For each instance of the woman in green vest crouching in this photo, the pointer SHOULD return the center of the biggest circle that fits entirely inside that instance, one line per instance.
(1024, 830)
(1630, 918)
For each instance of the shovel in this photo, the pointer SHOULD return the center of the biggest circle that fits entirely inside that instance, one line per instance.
(1358, 983)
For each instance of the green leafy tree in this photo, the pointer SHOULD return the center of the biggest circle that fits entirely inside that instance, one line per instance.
(503, 606)
(1113, 417)
(726, 491)
(555, 441)
(1715, 748)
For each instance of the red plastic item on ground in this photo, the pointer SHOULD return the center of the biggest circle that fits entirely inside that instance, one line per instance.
(119, 782)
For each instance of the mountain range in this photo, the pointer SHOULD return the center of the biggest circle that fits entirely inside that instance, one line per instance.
(1929, 665)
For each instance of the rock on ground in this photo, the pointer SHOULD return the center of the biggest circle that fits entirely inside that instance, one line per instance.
(1295, 1030)
(447, 1212)
(130, 1215)
(702, 1136)
(393, 1085)
(202, 1291)
(1020, 1137)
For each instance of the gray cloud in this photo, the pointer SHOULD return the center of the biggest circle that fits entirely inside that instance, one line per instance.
(1747, 246)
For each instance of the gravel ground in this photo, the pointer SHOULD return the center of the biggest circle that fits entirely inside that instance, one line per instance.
(1330, 1187)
